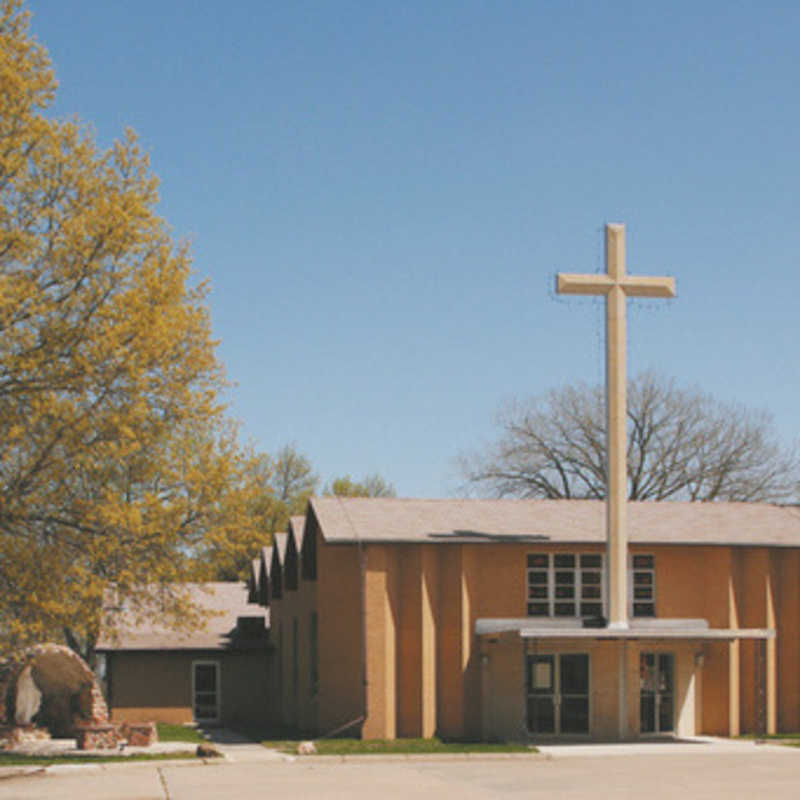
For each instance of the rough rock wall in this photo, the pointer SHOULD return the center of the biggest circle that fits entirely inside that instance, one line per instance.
(69, 691)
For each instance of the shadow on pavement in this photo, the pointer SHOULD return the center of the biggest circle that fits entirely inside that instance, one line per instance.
(225, 736)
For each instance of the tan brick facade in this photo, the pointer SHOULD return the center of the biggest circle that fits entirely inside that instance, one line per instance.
(377, 612)
(397, 642)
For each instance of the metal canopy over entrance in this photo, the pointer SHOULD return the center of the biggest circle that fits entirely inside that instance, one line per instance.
(528, 628)
(609, 684)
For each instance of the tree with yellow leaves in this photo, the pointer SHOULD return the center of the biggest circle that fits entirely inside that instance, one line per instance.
(112, 464)
(260, 499)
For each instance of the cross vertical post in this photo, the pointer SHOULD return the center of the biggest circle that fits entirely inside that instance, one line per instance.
(616, 435)
(616, 285)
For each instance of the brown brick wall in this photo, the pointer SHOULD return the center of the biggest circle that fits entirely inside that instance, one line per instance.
(158, 686)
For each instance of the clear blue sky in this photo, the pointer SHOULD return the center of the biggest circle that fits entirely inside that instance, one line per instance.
(381, 194)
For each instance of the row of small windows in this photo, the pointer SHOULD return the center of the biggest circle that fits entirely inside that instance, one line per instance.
(644, 586)
(573, 585)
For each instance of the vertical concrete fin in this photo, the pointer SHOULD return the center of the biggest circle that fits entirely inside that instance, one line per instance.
(381, 645)
(772, 656)
(430, 612)
(472, 695)
(734, 700)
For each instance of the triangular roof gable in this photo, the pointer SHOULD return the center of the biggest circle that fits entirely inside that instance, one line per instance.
(276, 564)
(290, 561)
(297, 526)
(279, 542)
(253, 581)
(265, 563)
(308, 550)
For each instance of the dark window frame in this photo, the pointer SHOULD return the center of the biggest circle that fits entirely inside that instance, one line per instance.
(565, 585)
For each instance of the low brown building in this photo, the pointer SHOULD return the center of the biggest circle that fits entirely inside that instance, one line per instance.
(486, 619)
(219, 674)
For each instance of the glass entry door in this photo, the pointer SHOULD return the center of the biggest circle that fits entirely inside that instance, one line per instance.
(558, 693)
(657, 694)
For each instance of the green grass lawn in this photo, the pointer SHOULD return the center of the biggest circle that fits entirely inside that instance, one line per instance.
(343, 747)
(788, 739)
(15, 760)
(178, 733)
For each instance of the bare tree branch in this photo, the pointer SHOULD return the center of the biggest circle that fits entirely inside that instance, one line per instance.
(682, 445)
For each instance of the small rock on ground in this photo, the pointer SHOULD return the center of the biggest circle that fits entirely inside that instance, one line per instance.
(206, 750)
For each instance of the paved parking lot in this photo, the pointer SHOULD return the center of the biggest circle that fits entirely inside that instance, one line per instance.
(747, 772)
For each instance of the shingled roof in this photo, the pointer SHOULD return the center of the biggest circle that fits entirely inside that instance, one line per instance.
(226, 602)
(350, 519)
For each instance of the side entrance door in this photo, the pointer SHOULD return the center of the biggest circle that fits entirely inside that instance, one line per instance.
(657, 695)
(205, 691)
(558, 694)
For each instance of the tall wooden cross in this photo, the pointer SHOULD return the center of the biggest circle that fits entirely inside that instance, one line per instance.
(616, 285)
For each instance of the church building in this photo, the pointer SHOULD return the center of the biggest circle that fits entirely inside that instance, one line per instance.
(530, 619)
(487, 619)
(502, 619)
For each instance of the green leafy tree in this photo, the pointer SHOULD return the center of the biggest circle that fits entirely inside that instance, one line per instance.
(293, 479)
(370, 486)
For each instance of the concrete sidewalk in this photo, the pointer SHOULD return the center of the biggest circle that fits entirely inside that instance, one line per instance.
(238, 748)
(19, 772)
(241, 751)
(744, 771)
(694, 745)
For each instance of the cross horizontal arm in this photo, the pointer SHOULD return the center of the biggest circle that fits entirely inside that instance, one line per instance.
(646, 286)
(583, 284)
